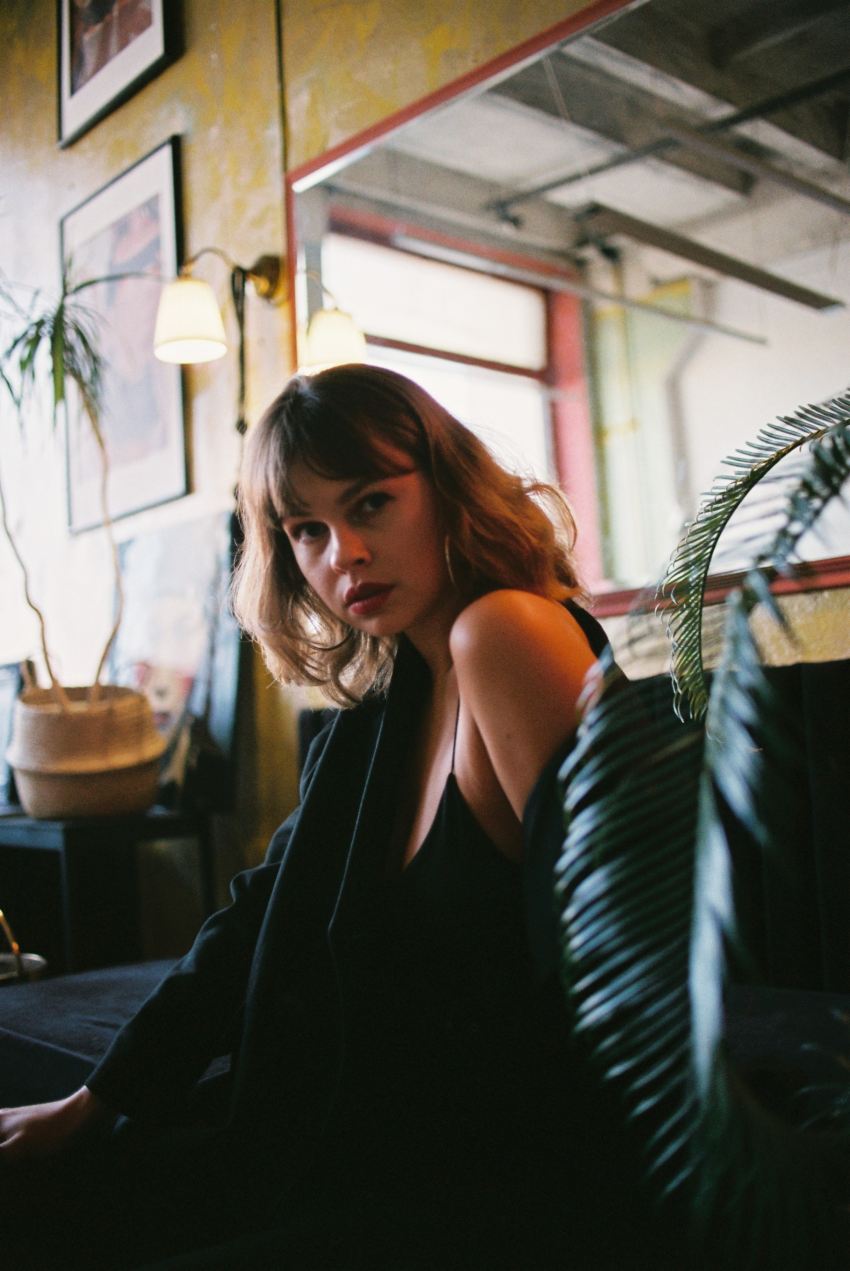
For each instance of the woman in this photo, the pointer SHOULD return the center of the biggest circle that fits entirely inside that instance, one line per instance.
(403, 1091)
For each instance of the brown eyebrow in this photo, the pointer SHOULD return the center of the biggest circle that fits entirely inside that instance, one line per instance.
(350, 492)
(293, 509)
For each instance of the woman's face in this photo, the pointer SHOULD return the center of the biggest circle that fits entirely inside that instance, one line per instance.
(372, 550)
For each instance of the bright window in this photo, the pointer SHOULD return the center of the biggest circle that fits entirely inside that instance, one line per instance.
(435, 309)
(508, 412)
(427, 302)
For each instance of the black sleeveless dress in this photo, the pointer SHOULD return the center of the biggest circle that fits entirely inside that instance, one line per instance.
(466, 1131)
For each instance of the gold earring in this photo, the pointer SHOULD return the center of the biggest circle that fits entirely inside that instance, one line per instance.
(447, 548)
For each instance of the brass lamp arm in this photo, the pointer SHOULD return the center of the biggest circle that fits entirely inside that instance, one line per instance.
(13, 945)
(264, 275)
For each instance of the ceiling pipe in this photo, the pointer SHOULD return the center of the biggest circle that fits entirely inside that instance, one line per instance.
(726, 153)
(553, 282)
(599, 223)
(766, 25)
(768, 106)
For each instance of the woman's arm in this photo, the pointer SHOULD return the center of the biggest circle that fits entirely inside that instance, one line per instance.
(521, 663)
(195, 1013)
(167, 1045)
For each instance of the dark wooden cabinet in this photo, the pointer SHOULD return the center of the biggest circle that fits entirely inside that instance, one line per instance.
(70, 887)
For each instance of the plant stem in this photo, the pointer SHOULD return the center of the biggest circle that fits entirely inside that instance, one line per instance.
(57, 689)
(113, 547)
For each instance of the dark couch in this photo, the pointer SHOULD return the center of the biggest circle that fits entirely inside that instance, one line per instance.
(786, 1031)
(54, 1030)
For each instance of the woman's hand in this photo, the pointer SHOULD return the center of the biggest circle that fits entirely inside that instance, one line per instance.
(44, 1129)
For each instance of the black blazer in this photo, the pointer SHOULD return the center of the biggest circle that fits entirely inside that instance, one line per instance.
(271, 980)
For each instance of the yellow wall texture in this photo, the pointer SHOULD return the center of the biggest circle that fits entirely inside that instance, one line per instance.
(222, 97)
(348, 65)
(818, 630)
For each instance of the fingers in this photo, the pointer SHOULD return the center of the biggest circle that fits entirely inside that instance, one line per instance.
(35, 1131)
(10, 1133)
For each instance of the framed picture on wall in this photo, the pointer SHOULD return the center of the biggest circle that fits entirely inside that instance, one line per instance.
(180, 645)
(125, 231)
(107, 50)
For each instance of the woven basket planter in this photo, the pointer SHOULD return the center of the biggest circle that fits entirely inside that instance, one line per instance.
(100, 758)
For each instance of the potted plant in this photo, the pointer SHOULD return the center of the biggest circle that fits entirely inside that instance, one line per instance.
(75, 750)
(645, 879)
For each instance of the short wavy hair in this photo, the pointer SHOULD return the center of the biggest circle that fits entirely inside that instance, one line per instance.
(357, 420)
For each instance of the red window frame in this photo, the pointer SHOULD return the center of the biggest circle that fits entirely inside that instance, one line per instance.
(564, 371)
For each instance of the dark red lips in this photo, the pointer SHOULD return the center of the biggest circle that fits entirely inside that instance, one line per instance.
(366, 598)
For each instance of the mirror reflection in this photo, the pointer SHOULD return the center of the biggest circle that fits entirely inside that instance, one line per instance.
(617, 262)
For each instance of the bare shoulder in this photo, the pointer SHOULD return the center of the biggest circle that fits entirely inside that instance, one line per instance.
(514, 619)
(521, 663)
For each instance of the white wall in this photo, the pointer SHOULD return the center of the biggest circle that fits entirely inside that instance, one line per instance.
(732, 388)
(729, 388)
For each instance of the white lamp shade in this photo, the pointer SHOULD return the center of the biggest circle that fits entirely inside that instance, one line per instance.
(333, 338)
(188, 323)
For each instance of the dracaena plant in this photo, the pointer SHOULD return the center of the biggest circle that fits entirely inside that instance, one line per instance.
(644, 882)
(57, 341)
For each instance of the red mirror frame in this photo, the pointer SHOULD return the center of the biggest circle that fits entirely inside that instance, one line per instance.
(817, 575)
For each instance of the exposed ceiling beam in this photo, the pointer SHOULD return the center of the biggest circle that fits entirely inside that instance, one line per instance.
(420, 188)
(662, 144)
(600, 223)
(411, 229)
(764, 25)
(672, 37)
(370, 218)
(585, 97)
(727, 153)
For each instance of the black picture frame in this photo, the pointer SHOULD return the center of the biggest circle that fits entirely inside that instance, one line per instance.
(107, 51)
(129, 226)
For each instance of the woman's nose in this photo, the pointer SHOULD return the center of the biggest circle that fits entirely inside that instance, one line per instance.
(348, 549)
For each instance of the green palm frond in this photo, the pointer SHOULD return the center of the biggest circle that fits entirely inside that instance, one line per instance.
(685, 580)
(57, 342)
(645, 889)
(625, 933)
(67, 334)
(769, 1180)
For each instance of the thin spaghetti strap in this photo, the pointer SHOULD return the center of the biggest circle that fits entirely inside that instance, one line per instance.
(454, 739)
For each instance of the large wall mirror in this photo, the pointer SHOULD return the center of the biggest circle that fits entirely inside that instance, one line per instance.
(617, 258)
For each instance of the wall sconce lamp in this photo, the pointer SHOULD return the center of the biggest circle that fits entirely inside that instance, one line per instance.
(189, 327)
(332, 337)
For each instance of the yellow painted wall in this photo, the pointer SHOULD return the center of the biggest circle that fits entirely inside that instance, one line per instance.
(349, 65)
(346, 67)
(222, 97)
(818, 631)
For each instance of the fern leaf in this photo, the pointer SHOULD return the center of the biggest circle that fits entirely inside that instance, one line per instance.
(57, 358)
(625, 960)
(685, 580)
(645, 891)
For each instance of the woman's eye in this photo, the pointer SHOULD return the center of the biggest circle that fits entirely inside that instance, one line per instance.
(373, 502)
(306, 531)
